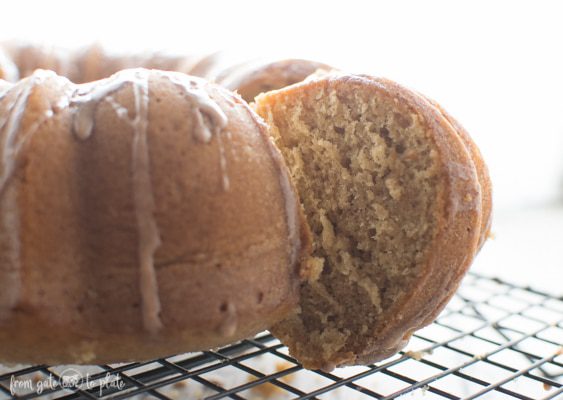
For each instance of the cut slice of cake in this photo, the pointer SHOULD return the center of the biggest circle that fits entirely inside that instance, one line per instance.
(392, 196)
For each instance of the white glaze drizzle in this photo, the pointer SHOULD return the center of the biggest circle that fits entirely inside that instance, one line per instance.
(5, 117)
(11, 72)
(205, 107)
(4, 88)
(223, 165)
(85, 100)
(121, 111)
(10, 124)
(209, 120)
(149, 237)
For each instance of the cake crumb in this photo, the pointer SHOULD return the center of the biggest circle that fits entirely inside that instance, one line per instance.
(394, 188)
(416, 355)
(369, 205)
(313, 269)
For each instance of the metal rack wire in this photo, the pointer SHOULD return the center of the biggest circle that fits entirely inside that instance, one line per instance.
(495, 340)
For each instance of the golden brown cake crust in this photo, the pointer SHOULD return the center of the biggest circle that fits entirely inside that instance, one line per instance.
(93, 63)
(89, 63)
(251, 79)
(457, 218)
(458, 236)
(482, 172)
(73, 210)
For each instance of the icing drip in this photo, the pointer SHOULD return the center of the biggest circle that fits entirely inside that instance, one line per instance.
(9, 219)
(203, 106)
(121, 111)
(149, 238)
(85, 100)
(8, 69)
(4, 88)
(223, 164)
(10, 123)
(209, 118)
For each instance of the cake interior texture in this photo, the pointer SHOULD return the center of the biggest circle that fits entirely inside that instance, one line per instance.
(368, 178)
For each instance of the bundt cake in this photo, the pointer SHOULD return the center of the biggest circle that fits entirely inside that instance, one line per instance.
(142, 215)
(392, 194)
(150, 213)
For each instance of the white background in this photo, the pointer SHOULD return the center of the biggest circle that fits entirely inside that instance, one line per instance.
(495, 65)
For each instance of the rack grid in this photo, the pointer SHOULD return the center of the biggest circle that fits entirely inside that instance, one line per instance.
(494, 340)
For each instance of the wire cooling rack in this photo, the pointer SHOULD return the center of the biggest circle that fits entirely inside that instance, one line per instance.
(495, 340)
